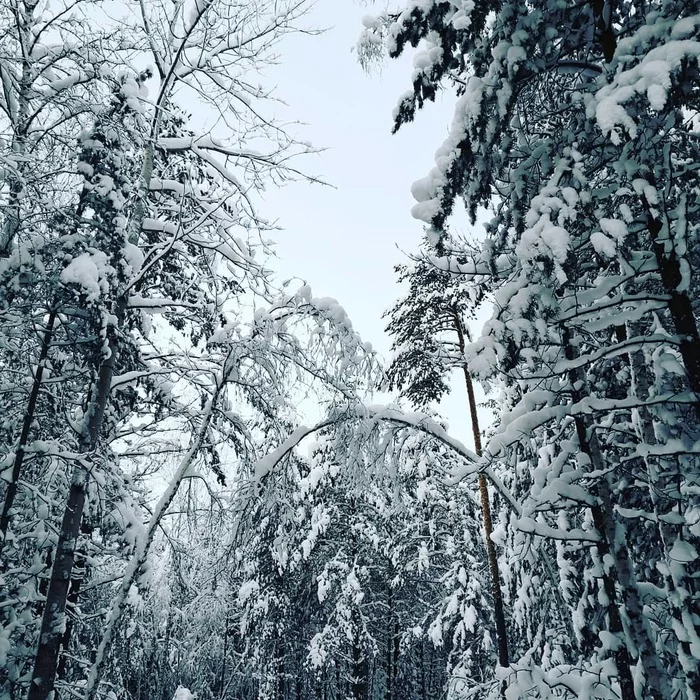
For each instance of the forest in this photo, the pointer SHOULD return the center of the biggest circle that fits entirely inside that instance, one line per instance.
(202, 497)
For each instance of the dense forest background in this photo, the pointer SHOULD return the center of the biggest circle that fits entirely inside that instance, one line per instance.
(200, 497)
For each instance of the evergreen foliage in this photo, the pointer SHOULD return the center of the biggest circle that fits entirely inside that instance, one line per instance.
(574, 131)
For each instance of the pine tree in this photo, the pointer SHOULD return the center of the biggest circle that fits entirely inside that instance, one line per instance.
(573, 128)
(430, 334)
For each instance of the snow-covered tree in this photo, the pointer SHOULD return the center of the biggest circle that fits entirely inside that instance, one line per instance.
(298, 342)
(125, 235)
(430, 331)
(371, 562)
(574, 128)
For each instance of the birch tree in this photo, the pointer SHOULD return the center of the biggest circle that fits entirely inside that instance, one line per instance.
(126, 227)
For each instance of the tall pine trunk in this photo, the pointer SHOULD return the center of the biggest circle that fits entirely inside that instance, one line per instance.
(496, 592)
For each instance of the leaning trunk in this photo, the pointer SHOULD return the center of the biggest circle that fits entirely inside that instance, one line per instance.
(11, 492)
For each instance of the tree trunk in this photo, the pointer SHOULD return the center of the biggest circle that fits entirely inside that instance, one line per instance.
(605, 32)
(23, 17)
(603, 520)
(77, 579)
(423, 680)
(280, 671)
(51, 634)
(50, 637)
(11, 492)
(298, 688)
(389, 661)
(656, 677)
(680, 306)
(359, 665)
(664, 477)
(395, 660)
(431, 665)
(496, 592)
(338, 682)
(221, 683)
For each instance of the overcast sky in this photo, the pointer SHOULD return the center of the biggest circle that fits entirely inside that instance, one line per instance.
(343, 241)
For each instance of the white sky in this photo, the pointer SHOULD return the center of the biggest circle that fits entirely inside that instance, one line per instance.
(343, 241)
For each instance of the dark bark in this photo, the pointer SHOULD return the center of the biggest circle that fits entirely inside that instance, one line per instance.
(298, 687)
(603, 11)
(682, 314)
(77, 580)
(605, 528)
(634, 606)
(395, 660)
(389, 662)
(423, 680)
(221, 681)
(51, 636)
(11, 492)
(621, 654)
(680, 307)
(9, 231)
(338, 681)
(431, 664)
(359, 663)
(280, 671)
